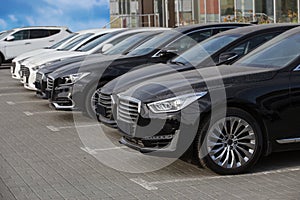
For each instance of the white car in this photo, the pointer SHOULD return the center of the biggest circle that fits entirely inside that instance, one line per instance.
(70, 40)
(20, 40)
(30, 66)
(96, 46)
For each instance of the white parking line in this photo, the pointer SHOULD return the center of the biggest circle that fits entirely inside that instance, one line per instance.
(14, 94)
(24, 102)
(56, 129)
(48, 112)
(94, 151)
(154, 185)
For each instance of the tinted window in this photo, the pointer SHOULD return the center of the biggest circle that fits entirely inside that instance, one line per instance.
(63, 41)
(154, 43)
(189, 40)
(4, 34)
(21, 35)
(38, 33)
(128, 43)
(277, 53)
(76, 41)
(53, 32)
(201, 51)
(92, 43)
(250, 44)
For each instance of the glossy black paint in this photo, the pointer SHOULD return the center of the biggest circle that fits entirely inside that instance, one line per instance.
(135, 77)
(104, 70)
(270, 94)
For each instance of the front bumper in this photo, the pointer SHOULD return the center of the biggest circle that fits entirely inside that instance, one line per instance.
(61, 98)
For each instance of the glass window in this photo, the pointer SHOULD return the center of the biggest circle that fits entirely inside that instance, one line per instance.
(247, 46)
(92, 43)
(53, 32)
(277, 53)
(128, 43)
(21, 35)
(75, 42)
(227, 11)
(5, 34)
(62, 41)
(183, 12)
(154, 43)
(190, 40)
(38, 33)
(201, 51)
(286, 11)
(244, 11)
(264, 11)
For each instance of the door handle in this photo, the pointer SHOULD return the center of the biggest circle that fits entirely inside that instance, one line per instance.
(27, 43)
(51, 40)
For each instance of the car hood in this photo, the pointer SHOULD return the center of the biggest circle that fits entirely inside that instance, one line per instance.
(93, 63)
(50, 57)
(32, 53)
(129, 79)
(59, 64)
(197, 80)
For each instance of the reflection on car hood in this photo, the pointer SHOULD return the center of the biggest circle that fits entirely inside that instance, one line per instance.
(197, 81)
(92, 63)
(139, 75)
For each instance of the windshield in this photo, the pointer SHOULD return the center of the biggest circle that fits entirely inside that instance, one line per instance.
(4, 34)
(201, 51)
(129, 43)
(76, 42)
(154, 43)
(96, 42)
(62, 41)
(277, 53)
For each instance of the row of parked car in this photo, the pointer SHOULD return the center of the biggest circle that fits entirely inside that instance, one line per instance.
(227, 93)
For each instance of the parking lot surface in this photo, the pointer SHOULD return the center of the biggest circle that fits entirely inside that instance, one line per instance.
(42, 157)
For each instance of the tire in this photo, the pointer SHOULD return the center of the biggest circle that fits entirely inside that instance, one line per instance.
(237, 147)
(1, 59)
(89, 109)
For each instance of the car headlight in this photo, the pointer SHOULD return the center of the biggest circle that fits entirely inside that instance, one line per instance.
(73, 78)
(175, 104)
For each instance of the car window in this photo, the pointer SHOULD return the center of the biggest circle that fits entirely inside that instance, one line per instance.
(54, 31)
(251, 43)
(77, 41)
(38, 33)
(21, 35)
(155, 43)
(128, 43)
(189, 40)
(5, 34)
(63, 41)
(277, 53)
(204, 49)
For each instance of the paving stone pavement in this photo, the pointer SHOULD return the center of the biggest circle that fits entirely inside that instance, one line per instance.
(42, 157)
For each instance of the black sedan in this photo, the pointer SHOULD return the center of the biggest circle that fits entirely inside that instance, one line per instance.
(226, 47)
(229, 116)
(92, 75)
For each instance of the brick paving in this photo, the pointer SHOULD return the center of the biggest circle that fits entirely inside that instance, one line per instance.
(39, 163)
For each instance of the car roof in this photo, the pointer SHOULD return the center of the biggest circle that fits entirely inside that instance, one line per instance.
(210, 25)
(40, 27)
(248, 30)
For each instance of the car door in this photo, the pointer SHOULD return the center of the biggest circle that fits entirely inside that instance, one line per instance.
(19, 45)
(39, 38)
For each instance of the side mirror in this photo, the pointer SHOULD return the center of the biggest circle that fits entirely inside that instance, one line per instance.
(10, 38)
(106, 47)
(227, 57)
(168, 53)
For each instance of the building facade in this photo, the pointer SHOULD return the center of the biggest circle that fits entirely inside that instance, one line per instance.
(172, 13)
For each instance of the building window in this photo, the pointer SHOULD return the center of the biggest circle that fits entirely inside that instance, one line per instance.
(286, 11)
(264, 11)
(227, 10)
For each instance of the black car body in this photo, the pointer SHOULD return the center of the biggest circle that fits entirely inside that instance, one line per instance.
(135, 41)
(246, 39)
(261, 92)
(96, 74)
